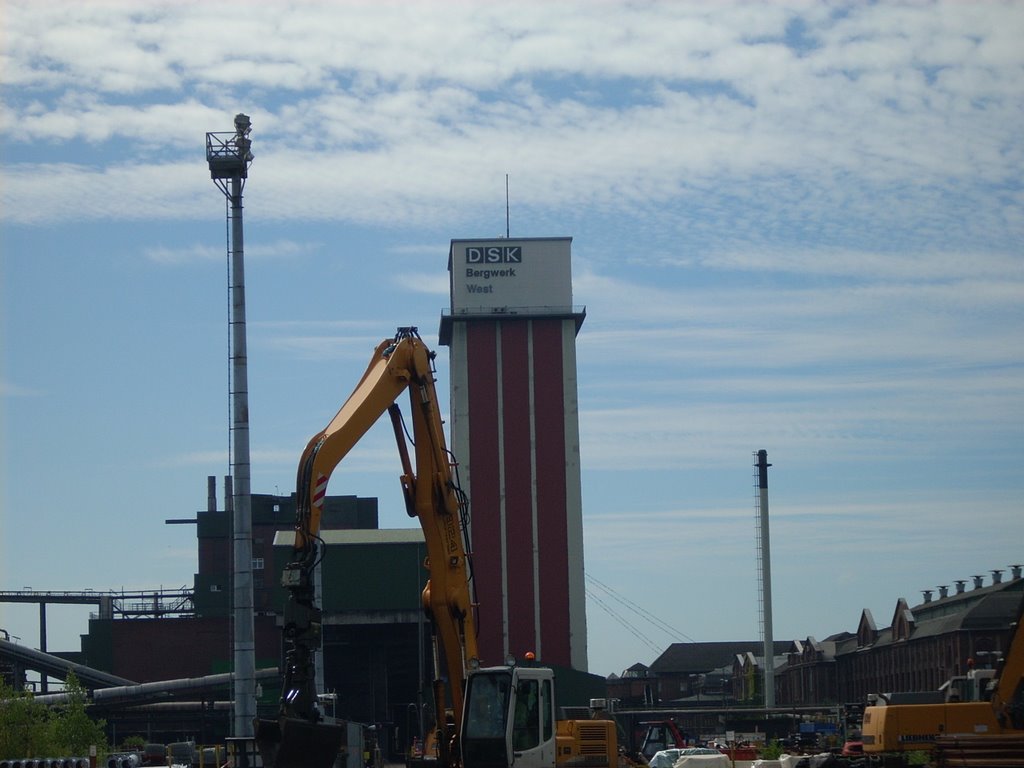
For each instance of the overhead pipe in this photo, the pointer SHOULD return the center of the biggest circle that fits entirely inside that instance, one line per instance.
(136, 691)
(56, 666)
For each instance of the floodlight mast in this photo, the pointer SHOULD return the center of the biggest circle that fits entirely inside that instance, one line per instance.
(229, 156)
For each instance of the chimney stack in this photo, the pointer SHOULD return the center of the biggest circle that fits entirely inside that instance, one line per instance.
(943, 591)
(978, 581)
(927, 595)
(997, 577)
(960, 584)
(211, 493)
(1016, 569)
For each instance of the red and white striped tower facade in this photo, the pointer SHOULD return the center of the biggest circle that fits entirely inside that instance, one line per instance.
(515, 431)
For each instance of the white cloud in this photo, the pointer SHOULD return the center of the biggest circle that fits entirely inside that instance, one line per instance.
(397, 109)
(9, 388)
(434, 283)
(276, 250)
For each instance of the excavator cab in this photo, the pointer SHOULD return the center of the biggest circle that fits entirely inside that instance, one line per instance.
(509, 718)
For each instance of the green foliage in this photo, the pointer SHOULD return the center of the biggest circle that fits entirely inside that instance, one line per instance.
(771, 751)
(918, 757)
(31, 729)
(133, 744)
(73, 730)
(24, 725)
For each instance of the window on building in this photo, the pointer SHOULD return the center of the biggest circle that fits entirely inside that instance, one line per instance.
(257, 563)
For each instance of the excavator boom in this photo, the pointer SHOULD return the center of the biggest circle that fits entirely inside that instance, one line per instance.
(298, 737)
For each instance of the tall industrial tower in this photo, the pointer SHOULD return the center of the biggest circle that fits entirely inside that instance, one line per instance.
(515, 431)
(764, 575)
(229, 156)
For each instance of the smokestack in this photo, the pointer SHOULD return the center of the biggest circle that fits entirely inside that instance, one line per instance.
(960, 584)
(927, 595)
(765, 573)
(211, 493)
(943, 591)
(997, 577)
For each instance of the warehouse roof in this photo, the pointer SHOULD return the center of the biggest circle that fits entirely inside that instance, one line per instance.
(358, 536)
(695, 658)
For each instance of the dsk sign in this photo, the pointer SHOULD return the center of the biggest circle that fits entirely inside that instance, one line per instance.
(494, 254)
(515, 276)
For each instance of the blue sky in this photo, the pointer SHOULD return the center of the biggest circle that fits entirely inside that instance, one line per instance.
(795, 227)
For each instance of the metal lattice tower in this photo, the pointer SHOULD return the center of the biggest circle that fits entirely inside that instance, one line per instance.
(228, 156)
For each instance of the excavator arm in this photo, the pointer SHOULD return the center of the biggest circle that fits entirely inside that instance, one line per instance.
(403, 363)
(1008, 694)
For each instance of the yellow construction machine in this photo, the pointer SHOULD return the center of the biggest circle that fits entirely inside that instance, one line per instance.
(996, 713)
(485, 717)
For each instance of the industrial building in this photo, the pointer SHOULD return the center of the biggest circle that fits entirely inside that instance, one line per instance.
(921, 648)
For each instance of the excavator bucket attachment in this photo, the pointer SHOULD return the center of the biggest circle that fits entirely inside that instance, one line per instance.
(292, 743)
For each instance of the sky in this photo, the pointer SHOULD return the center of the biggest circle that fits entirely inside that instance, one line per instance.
(795, 227)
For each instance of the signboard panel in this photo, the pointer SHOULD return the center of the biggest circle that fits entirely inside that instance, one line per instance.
(528, 275)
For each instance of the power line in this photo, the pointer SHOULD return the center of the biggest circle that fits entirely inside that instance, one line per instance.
(621, 620)
(639, 611)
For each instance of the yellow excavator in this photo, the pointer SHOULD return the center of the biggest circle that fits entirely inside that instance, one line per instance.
(486, 717)
(996, 713)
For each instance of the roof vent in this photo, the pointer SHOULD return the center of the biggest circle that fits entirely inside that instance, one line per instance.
(1015, 569)
(960, 584)
(997, 576)
(927, 595)
(943, 591)
(978, 581)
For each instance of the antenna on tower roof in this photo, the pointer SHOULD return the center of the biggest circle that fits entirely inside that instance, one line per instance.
(506, 207)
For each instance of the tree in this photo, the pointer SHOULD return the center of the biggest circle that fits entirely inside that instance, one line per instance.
(24, 725)
(72, 730)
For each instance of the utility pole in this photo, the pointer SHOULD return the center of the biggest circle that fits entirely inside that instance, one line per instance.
(229, 156)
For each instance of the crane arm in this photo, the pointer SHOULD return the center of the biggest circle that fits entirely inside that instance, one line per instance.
(432, 496)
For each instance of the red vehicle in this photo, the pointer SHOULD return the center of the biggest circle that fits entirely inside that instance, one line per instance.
(659, 735)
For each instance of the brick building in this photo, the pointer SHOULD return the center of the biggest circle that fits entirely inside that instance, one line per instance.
(920, 649)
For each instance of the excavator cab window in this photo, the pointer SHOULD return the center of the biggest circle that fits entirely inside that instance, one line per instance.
(526, 730)
(487, 707)
(486, 721)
